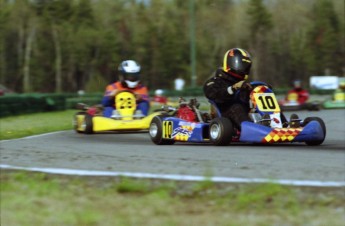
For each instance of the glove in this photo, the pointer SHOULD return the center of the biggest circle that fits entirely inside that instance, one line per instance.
(138, 97)
(237, 85)
(247, 86)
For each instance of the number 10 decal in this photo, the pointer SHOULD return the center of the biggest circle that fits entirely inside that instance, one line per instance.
(167, 129)
(266, 102)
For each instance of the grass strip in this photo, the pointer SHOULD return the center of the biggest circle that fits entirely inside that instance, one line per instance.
(37, 123)
(29, 198)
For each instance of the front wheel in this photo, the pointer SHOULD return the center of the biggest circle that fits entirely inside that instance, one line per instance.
(221, 130)
(156, 132)
(323, 126)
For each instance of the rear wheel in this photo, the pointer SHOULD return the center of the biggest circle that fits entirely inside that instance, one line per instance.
(323, 126)
(313, 106)
(221, 130)
(88, 124)
(156, 132)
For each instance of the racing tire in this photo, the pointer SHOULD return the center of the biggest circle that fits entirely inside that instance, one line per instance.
(323, 126)
(156, 132)
(313, 107)
(75, 123)
(221, 131)
(88, 124)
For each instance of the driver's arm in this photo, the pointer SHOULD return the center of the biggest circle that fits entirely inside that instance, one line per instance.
(217, 91)
(108, 98)
(142, 94)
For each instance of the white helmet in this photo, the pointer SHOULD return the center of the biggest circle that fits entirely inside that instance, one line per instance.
(130, 72)
(159, 92)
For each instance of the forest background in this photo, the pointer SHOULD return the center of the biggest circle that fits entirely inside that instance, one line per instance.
(71, 45)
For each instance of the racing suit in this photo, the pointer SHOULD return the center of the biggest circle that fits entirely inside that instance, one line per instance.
(140, 90)
(218, 90)
(298, 94)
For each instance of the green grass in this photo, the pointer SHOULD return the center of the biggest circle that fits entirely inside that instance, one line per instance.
(37, 199)
(32, 124)
(44, 199)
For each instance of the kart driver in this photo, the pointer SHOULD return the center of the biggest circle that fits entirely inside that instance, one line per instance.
(129, 74)
(297, 93)
(339, 94)
(159, 97)
(222, 86)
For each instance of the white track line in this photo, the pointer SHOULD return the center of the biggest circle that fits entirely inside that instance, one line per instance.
(177, 177)
(34, 136)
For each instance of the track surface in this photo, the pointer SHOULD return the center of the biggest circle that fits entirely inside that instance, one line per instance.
(134, 152)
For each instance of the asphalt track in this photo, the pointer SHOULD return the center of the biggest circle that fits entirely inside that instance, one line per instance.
(134, 153)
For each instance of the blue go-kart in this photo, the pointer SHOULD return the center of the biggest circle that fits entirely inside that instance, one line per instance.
(268, 124)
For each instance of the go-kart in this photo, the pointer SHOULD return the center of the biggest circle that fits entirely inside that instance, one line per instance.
(290, 103)
(268, 124)
(125, 118)
(337, 101)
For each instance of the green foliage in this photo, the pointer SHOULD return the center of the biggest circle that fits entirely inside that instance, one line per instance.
(260, 18)
(95, 84)
(84, 14)
(323, 41)
(3, 18)
(76, 41)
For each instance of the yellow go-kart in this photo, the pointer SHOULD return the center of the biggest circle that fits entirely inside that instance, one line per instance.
(124, 118)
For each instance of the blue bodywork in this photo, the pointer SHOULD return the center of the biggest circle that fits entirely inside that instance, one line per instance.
(256, 133)
(182, 130)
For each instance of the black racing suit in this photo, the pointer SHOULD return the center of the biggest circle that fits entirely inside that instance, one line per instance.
(230, 106)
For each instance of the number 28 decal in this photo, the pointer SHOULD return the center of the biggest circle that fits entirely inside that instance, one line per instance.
(266, 102)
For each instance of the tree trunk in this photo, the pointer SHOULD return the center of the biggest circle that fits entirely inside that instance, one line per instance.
(2, 62)
(20, 47)
(58, 60)
(27, 58)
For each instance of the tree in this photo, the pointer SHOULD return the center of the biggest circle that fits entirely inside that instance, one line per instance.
(259, 26)
(25, 23)
(324, 39)
(64, 46)
(3, 18)
(288, 45)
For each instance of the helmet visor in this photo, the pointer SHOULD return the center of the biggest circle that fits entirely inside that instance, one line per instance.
(133, 77)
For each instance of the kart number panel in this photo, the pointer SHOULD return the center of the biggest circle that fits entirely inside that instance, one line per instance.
(266, 102)
(167, 129)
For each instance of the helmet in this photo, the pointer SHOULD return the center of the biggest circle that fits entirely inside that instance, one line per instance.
(237, 63)
(297, 84)
(130, 73)
(159, 92)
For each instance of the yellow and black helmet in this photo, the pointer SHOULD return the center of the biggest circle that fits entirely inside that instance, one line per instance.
(237, 63)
